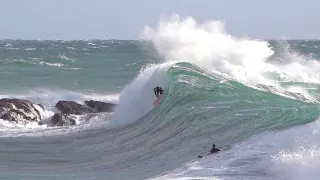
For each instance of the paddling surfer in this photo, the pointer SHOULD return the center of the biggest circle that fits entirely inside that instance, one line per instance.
(213, 150)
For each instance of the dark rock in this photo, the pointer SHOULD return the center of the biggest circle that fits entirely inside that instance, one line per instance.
(71, 107)
(2, 110)
(8, 117)
(99, 106)
(19, 109)
(62, 120)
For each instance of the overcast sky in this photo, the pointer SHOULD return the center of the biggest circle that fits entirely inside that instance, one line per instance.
(125, 19)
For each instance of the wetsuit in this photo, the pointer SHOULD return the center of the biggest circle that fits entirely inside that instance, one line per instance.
(214, 150)
(161, 91)
(157, 91)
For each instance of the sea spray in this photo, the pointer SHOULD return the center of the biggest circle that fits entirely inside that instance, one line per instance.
(248, 61)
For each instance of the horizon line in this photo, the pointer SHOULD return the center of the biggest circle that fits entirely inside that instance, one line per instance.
(114, 39)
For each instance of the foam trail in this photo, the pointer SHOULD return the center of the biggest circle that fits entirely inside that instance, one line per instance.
(136, 98)
(244, 60)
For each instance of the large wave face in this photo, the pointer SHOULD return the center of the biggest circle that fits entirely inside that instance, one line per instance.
(201, 108)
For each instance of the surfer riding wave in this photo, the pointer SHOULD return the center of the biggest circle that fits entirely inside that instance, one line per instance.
(158, 91)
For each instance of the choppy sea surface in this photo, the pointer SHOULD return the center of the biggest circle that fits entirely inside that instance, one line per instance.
(257, 100)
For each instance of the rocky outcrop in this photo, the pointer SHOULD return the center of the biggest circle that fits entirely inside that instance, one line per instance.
(18, 110)
(99, 106)
(71, 107)
(62, 120)
(67, 110)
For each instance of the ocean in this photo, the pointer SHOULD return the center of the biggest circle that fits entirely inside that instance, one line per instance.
(257, 100)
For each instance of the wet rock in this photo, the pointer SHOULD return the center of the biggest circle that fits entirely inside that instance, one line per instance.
(71, 107)
(99, 106)
(19, 109)
(62, 120)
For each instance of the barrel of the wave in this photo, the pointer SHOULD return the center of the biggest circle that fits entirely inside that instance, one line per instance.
(157, 101)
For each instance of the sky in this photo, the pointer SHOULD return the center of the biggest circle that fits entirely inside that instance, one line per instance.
(125, 19)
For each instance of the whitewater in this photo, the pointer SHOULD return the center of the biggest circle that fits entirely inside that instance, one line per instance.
(257, 100)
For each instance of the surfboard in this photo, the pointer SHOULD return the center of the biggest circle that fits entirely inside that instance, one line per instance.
(156, 101)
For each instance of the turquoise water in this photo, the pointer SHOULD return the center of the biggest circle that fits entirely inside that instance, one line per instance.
(83, 65)
(229, 97)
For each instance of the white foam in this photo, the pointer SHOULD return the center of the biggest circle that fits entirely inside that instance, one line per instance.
(8, 45)
(298, 154)
(10, 48)
(208, 45)
(51, 64)
(30, 49)
(71, 48)
(64, 57)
